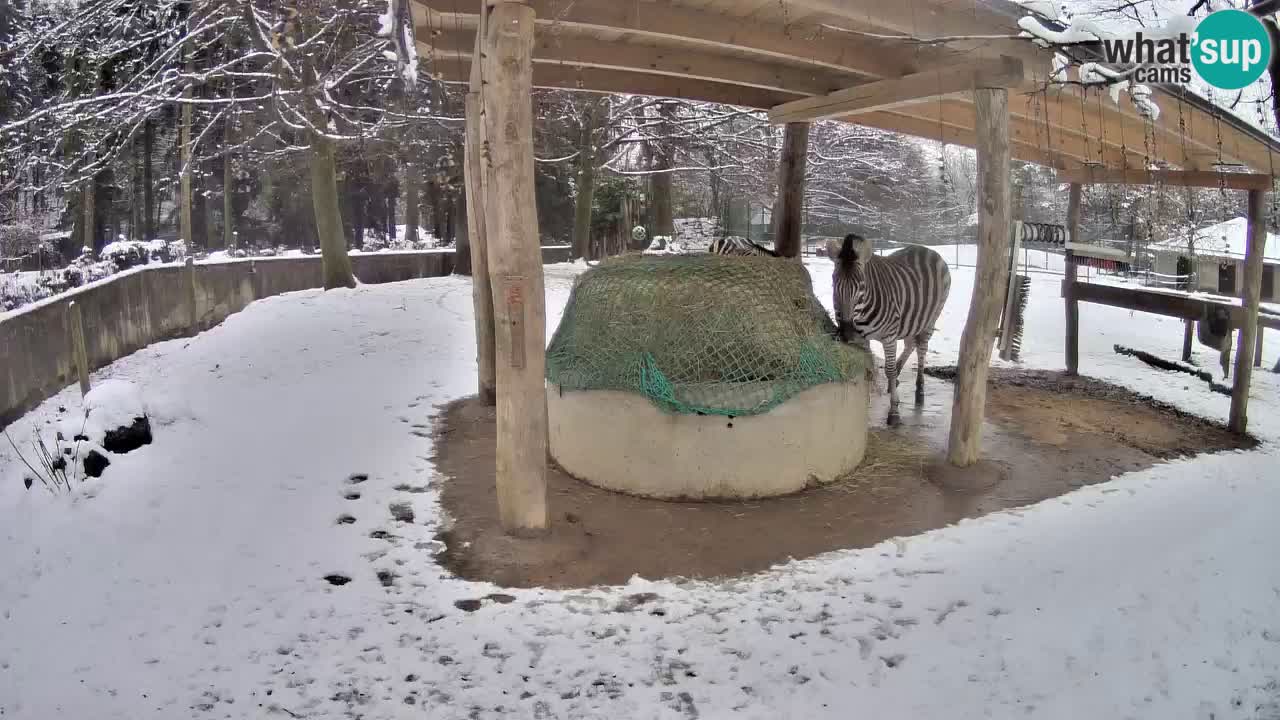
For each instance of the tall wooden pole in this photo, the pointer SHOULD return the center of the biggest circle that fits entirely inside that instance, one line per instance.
(481, 291)
(992, 131)
(788, 214)
(1238, 420)
(515, 268)
(1073, 305)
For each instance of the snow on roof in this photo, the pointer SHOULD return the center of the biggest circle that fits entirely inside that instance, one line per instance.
(1226, 239)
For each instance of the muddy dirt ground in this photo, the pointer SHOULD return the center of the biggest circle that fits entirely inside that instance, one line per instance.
(1046, 432)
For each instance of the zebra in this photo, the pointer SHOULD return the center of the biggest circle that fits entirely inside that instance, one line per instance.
(734, 245)
(891, 298)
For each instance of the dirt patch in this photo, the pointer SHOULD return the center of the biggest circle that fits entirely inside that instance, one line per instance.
(1045, 432)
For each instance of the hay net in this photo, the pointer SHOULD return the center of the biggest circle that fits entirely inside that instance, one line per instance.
(699, 334)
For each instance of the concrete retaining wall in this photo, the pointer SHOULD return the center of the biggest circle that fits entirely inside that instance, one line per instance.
(134, 309)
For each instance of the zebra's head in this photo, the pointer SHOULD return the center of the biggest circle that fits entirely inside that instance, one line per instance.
(848, 283)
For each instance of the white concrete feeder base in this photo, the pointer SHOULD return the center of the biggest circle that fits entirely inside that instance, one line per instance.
(621, 441)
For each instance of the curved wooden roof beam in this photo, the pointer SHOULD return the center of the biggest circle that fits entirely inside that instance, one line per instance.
(599, 80)
(686, 26)
(583, 51)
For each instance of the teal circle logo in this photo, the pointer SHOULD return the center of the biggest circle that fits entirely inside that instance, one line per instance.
(1232, 49)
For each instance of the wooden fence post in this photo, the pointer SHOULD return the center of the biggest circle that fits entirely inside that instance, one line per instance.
(1188, 337)
(1069, 280)
(965, 441)
(1257, 347)
(515, 268)
(788, 216)
(1238, 420)
(78, 353)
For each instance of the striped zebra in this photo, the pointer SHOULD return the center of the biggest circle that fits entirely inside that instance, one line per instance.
(734, 245)
(891, 298)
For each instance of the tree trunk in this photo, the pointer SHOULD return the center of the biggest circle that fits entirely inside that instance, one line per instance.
(991, 277)
(88, 199)
(324, 198)
(410, 186)
(586, 180)
(788, 215)
(186, 226)
(324, 193)
(148, 192)
(135, 204)
(211, 236)
(391, 216)
(515, 264)
(430, 194)
(228, 190)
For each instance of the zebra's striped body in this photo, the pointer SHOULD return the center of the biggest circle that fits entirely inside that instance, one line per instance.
(891, 298)
(734, 245)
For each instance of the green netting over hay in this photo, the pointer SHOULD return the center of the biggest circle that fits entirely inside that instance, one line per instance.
(699, 333)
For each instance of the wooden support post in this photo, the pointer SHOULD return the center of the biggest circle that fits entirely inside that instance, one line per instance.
(189, 280)
(788, 216)
(1238, 420)
(515, 267)
(1188, 338)
(481, 289)
(965, 441)
(1073, 305)
(79, 355)
(1257, 347)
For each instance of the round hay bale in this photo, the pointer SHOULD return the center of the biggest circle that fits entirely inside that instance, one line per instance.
(703, 377)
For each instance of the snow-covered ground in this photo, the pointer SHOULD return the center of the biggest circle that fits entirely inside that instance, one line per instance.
(187, 583)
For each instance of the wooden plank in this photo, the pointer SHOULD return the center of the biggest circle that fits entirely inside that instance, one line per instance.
(515, 264)
(481, 289)
(1072, 303)
(965, 439)
(589, 52)
(565, 77)
(788, 215)
(1179, 178)
(1238, 419)
(75, 320)
(806, 44)
(1002, 72)
(1160, 303)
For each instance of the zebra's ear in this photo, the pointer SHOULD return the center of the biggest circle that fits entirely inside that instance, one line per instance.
(833, 249)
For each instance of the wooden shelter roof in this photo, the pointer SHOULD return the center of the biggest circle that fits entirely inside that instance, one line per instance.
(766, 53)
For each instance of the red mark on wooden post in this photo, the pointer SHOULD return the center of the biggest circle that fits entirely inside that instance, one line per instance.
(515, 313)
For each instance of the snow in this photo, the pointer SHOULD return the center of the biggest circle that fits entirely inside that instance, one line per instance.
(187, 581)
(111, 404)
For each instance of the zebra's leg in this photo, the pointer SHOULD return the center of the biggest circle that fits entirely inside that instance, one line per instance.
(922, 349)
(891, 377)
(908, 347)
